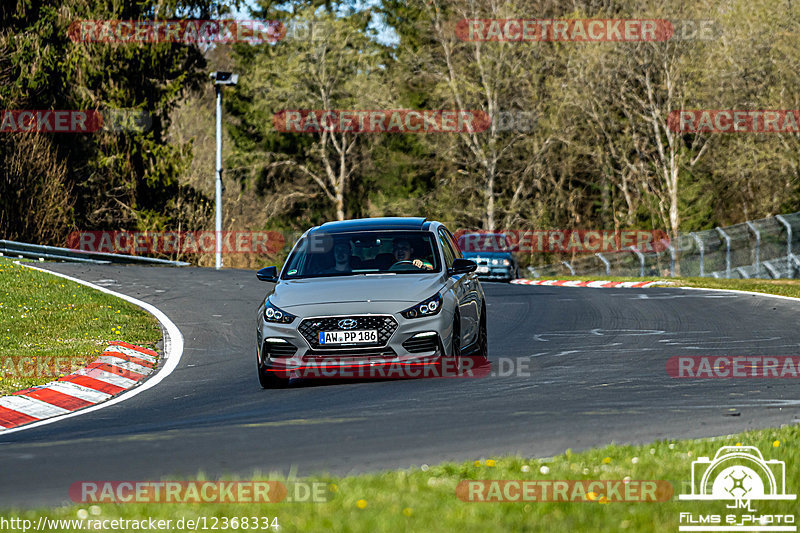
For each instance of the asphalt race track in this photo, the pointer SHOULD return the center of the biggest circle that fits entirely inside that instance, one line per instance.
(597, 360)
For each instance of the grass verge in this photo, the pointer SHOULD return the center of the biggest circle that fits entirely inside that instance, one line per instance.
(59, 321)
(424, 498)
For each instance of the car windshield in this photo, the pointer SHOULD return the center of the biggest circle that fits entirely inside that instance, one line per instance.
(483, 242)
(362, 252)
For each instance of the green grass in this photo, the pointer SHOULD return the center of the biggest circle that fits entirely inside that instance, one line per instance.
(783, 287)
(424, 498)
(48, 317)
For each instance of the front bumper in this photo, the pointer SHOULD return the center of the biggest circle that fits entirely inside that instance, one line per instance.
(413, 344)
(495, 273)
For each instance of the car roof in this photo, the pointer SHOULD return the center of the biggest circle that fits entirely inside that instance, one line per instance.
(369, 224)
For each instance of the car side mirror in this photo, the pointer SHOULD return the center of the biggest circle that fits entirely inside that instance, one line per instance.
(268, 274)
(462, 266)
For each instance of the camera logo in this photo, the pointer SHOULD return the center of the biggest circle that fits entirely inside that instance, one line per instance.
(738, 473)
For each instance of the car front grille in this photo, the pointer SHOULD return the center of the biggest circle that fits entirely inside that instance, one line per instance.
(321, 356)
(310, 328)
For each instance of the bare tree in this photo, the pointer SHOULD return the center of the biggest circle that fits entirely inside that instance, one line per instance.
(503, 81)
(625, 93)
(333, 66)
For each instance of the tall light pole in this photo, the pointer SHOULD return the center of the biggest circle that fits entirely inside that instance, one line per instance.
(220, 79)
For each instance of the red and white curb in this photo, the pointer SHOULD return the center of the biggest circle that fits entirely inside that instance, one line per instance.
(596, 284)
(173, 350)
(119, 367)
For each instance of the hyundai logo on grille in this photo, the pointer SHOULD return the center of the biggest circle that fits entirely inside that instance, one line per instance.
(348, 323)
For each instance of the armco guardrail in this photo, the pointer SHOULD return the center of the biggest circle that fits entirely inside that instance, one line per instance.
(765, 248)
(54, 253)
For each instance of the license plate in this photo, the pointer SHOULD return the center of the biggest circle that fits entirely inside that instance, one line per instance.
(360, 336)
(482, 270)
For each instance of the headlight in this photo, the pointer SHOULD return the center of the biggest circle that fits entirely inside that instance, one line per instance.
(506, 262)
(495, 261)
(275, 314)
(429, 307)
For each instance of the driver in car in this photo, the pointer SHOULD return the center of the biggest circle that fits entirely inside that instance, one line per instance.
(403, 252)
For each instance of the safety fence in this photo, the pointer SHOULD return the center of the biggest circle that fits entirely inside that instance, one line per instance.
(766, 248)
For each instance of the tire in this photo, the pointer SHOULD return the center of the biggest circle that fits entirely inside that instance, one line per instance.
(450, 360)
(269, 379)
(450, 364)
(455, 339)
(483, 339)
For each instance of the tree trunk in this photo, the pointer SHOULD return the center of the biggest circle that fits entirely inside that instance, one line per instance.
(339, 205)
(674, 215)
(490, 203)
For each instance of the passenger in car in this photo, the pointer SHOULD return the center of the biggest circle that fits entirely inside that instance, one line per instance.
(341, 257)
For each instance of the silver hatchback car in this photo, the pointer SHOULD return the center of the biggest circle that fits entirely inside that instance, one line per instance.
(369, 297)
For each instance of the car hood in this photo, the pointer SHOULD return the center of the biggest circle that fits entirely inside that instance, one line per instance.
(409, 288)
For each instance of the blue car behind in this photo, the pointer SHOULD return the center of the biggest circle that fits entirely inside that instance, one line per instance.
(491, 251)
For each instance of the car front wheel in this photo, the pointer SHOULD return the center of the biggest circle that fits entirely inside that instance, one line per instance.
(268, 378)
(455, 340)
(483, 340)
